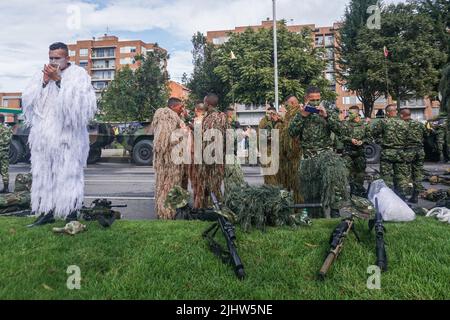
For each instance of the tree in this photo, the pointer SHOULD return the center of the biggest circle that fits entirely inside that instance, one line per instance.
(245, 64)
(135, 95)
(118, 102)
(444, 89)
(414, 57)
(203, 79)
(360, 68)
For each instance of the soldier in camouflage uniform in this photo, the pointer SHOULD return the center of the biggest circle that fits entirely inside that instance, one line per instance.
(357, 133)
(322, 173)
(392, 132)
(414, 152)
(5, 141)
(272, 120)
(441, 129)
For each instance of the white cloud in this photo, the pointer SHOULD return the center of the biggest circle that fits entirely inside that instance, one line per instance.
(29, 26)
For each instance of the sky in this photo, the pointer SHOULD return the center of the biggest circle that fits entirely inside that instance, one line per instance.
(29, 26)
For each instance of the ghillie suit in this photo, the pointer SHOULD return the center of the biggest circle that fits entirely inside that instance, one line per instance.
(290, 155)
(211, 175)
(268, 124)
(58, 115)
(262, 206)
(322, 173)
(20, 199)
(324, 179)
(233, 177)
(168, 174)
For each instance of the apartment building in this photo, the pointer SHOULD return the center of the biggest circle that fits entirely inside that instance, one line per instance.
(10, 105)
(324, 37)
(103, 57)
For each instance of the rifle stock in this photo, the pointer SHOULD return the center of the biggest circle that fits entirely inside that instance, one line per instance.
(382, 262)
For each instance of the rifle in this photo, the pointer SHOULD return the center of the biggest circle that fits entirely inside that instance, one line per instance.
(380, 230)
(337, 242)
(18, 213)
(101, 211)
(231, 255)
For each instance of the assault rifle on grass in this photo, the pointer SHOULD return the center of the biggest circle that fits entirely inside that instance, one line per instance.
(337, 243)
(229, 255)
(380, 230)
(101, 211)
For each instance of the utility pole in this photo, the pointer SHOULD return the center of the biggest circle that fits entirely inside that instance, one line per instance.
(275, 53)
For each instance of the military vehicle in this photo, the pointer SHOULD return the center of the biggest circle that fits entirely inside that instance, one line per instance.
(100, 135)
(137, 139)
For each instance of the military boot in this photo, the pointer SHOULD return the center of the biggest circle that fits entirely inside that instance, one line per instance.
(5, 187)
(73, 216)
(43, 220)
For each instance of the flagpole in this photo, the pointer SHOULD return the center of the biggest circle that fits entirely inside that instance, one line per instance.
(275, 53)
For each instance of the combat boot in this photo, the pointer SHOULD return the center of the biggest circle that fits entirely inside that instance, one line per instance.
(43, 220)
(73, 216)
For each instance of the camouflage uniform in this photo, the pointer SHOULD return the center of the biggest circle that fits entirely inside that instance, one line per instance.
(440, 126)
(354, 156)
(268, 124)
(392, 132)
(316, 144)
(5, 141)
(415, 153)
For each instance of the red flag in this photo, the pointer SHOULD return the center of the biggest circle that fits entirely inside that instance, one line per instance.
(386, 52)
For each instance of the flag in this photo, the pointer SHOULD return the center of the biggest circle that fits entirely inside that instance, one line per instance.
(386, 52)
(233, 57)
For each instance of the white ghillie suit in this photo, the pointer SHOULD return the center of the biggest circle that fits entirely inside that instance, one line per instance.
(168, 174)
(59, 139)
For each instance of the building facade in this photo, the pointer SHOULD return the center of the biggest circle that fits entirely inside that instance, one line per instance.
(324, 37)
(10, 105)
(103, 57)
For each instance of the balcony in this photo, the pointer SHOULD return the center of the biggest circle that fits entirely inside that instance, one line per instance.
(97, 78)
(103, 67)
(99, 56)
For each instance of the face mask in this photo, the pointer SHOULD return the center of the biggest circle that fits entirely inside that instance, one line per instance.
(57, 62)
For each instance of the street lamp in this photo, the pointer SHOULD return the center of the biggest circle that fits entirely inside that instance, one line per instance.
(275, 53)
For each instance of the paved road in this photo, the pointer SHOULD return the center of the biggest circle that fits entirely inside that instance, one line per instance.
(125, 183)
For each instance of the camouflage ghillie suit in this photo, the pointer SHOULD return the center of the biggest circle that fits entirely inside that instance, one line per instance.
(168, 174)
(5, 141)
(290, 155)
(354, 156)
(322, 173)
(194, 168)
(268, 124)
(211, 175)
(392, 132)
(415, 153)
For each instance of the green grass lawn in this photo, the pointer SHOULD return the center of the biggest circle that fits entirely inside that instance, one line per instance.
(170, 260)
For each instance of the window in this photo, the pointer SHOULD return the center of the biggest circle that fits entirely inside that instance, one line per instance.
(329, 40)
(330, 77)
(72, 53)
(352, 100)
(127, 61)
(330, 66)
(329, 53)
(220, 40)
(84, 52)
(5, 103)
(84, 63)
(101, 53)
(128, 50)
(319, 41)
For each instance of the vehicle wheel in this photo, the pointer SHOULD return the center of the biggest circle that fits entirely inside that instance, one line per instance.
(94, 155)
(373, 153)
(16, 152)
(143, 153)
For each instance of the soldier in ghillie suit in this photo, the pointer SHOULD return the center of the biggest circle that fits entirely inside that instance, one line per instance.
(414, 153)
(392, 132)
(290, 152)
(322, 173)
(168, 174)
(357, 133)
(271, 121)
(194, 167)
(211, 172)
(5, 141)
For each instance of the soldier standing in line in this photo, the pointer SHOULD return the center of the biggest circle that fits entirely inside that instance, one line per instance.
(5, 141)
(392, 132)
(358, 133)
(414, 152)
(271, 121)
